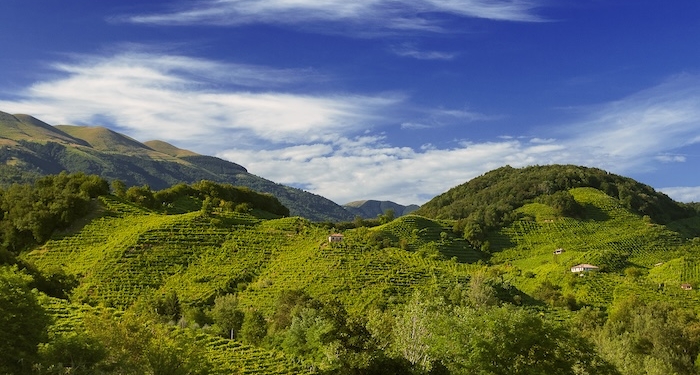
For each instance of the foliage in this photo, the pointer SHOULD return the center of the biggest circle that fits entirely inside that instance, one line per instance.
(487, 202)
(23, 322)
(140, 168)
(410, 296)
(509, 340)
(31, 213)
(651, 338)
(226, 315)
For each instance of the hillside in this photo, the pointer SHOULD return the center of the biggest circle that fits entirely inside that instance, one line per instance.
(30, 147)
(513, 187)
(370, 209)
(256, 295)
(509, 188)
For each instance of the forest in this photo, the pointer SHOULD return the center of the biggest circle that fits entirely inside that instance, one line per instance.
(209, 278)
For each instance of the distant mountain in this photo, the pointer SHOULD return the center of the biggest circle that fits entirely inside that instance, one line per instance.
(370, 209)
(30, 147)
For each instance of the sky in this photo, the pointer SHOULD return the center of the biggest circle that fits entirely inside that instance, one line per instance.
(373, 99)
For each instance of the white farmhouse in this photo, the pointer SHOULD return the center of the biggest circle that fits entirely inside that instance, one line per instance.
(584, 268)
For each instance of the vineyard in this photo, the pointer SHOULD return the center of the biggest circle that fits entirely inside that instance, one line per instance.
(128, 254)
(607, 236)
(226, 356)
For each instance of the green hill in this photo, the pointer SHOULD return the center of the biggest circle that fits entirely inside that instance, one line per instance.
(30, 147)
(505, 189)
(370, 209)
(245, 291)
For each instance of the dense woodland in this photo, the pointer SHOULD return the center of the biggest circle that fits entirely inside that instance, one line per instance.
(211, 278)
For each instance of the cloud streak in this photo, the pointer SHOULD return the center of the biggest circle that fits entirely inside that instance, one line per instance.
(182, 99)
(376, 14)
(333, 144)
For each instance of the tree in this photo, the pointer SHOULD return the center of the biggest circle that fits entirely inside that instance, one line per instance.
(254, 327)
(119, 188)
(226, 314)
(509, 340)
(136, 345)
(387, 217)
(412, 332)
(73, 353)
(23, 322)
(651, 338)
(481, 293)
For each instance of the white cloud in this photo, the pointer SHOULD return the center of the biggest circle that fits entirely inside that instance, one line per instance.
(174, 98)
(631, 132)
(313, 140)
(666, 158)
(408, 50)
(625, 136)
(683, 194)
(377, 14)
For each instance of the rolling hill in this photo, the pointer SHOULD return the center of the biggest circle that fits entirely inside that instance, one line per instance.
(370, 209)
(30, 147)
(503, 246)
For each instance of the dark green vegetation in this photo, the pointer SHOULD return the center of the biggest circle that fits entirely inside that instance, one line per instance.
(490, 201)
(370, 209)
(213, 279)
(30, 148)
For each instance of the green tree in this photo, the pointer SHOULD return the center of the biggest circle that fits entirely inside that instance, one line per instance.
(509, 340)
(72, 353)
(23, 322)
(226, 314)
(481, 293)
(119, 188)
(387, 217)
(651, 338)
(137, 345)
(253, 328)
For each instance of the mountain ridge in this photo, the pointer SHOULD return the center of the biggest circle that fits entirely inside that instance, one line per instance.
(370, 208)
(30, 147)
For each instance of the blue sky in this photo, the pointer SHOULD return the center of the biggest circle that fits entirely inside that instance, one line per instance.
(373, 99)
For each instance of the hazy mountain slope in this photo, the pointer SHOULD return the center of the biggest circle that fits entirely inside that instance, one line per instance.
(106, 140)
(29, 147)
(168, 149)
(370, 209)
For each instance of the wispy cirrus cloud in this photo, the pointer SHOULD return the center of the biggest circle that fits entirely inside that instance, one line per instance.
(409, 50)
(634, 130)
(195, 101)
(377, 14)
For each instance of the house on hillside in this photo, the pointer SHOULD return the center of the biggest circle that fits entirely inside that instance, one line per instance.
(584, 268)
(558, 251)
(335, 237)
(686, 286)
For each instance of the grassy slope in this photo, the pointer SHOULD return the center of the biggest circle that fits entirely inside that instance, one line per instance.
(128, 251)
(608, 236)
(24, 127)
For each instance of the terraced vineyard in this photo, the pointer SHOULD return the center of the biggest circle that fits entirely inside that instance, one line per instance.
(226, 356)
(609, 236)
(422, 233)
(127, 252)
(352, 272)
